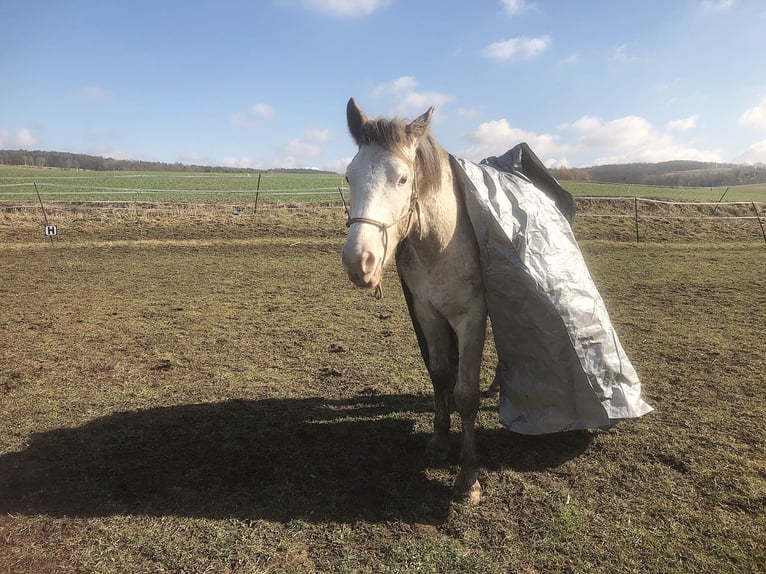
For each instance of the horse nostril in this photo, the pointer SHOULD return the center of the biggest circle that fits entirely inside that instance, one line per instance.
(369, 262)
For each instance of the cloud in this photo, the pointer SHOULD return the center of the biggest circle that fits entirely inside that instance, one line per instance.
(715, 6)
(300, 152)
(755, 116)
(408, 101)
(570, 60)
(623, 56)
(682, 125)
(621, 133)
(95, 93)
(632, 139)
(497, 136)
(513, 7)
(192, 157)
(308, 145)
(243, 162)
(253, 117)
(398, 85)
(342, 8)
(338, 165)
(521, 48)
(105, 150)
(756, 153)
(21, 138)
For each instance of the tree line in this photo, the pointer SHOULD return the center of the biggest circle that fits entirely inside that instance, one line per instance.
(75, 161)
(668, 174)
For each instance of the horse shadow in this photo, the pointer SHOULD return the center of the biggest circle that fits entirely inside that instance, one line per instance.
(314, 459)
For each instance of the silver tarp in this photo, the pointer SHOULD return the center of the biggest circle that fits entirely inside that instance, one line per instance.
(560, 363)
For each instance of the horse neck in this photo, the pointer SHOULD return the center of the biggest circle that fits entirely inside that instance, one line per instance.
(443, 214)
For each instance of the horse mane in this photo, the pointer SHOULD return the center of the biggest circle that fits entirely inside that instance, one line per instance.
(393, 135)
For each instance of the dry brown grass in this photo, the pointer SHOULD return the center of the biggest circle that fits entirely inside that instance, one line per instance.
(212, 395)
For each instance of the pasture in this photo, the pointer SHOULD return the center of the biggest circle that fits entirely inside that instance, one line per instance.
(17, 186)
(194, 391)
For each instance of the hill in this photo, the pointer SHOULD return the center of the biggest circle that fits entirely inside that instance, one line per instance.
(66, 160)
(668, 174)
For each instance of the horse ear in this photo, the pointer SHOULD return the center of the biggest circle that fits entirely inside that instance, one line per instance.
(419, 125)
(356, 119)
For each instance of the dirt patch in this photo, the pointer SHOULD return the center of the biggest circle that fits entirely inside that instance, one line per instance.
(222, 399)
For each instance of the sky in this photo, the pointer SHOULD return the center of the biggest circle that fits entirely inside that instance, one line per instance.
(264, 84)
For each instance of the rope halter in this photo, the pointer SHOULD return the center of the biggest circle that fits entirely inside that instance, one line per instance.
(414, 208)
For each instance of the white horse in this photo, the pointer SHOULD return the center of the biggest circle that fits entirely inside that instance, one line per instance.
(406, 201)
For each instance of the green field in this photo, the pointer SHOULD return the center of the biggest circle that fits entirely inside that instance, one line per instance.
(16, 185)
(753, 192)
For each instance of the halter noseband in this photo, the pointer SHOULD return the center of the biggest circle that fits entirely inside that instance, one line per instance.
(414, 208)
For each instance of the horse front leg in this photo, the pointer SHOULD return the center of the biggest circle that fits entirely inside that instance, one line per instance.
(467, 397)
(442, 369)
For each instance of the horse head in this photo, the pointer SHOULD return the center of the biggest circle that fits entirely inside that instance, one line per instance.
(383, 191)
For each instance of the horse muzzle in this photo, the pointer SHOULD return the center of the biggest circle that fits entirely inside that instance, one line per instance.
(363, 269)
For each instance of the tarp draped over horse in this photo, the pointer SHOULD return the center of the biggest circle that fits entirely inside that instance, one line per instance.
(560, 363)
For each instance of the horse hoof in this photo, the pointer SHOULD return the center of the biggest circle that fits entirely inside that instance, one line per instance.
(470, 495)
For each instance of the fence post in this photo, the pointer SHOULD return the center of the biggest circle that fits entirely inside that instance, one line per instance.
(343, 199)
(758, 218)
(42, 207)
(257, 191)
(635, 206)
(720, 200)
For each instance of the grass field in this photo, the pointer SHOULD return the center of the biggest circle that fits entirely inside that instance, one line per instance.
(17, 185)
(211, 395)
(753, 192)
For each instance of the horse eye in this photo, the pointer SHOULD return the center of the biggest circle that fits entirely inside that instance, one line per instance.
(403, 180)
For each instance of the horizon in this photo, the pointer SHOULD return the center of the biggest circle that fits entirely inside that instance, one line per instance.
(265, 86)
(711, 165)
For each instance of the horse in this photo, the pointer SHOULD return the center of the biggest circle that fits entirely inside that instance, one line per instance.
(407, 204)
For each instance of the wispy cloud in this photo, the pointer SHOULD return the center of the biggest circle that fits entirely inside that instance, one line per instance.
(407, 100)
(192, 157)
(623, 55)
(308, 145)
(21, 138)
(513, 7)
(521, 48)
(106, 150)
(716, 6)
(497, 136)
(570, 60)
(683, 124)
(756, 153)
(341, 8)
(632, 139)
(755, 116)
(304, 151)
(399, 85)
(253, 117)
(95, 93)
